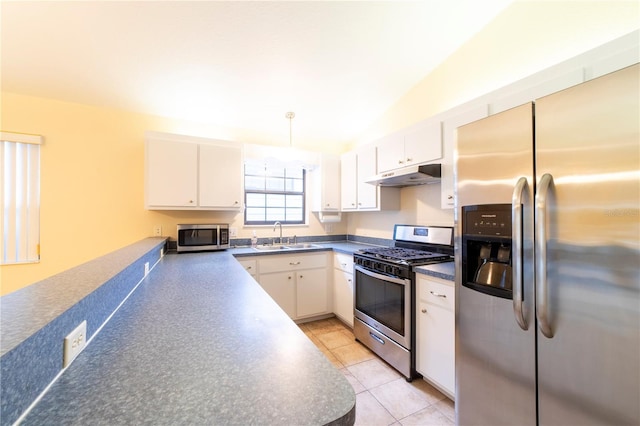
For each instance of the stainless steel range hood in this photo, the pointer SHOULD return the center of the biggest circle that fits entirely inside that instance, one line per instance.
(408, 176)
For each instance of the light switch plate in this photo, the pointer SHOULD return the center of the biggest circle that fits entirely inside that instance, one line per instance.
(233, 232)
(74, 343)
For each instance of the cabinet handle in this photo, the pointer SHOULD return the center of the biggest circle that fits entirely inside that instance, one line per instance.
(301, 276)
(294, 263)
(424, 311)
(289, 277)
(236, 202)
(191, 201)
(450, 197)
(409, 159)
(248, 267)
(438, 294)
(400, 162)
(349, 280)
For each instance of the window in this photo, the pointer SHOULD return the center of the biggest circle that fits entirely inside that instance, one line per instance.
(274, 193)
(20, 195)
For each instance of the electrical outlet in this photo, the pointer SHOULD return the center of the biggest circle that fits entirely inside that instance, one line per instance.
(74, 343)
(157, 231)
(233, 232)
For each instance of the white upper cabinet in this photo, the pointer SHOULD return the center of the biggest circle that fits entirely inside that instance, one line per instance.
(220, 169)
(391, 152)
(325, 184)
(449, 132)
(356, 167)
(171, 174)
(417, 144)
(365, 168)
(185, 173)
(348, 178)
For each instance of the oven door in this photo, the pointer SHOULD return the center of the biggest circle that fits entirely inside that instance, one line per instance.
(384, 303)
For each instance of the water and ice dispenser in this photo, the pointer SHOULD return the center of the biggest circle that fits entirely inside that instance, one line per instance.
(486, 249)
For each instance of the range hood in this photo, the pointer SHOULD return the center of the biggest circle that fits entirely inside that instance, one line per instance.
(408, 176)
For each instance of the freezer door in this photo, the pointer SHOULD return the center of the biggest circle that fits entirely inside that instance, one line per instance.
(588, 171)
(495, 357)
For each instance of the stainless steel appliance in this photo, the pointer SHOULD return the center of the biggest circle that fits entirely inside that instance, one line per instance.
(549, 194)
(202, 237)
(384, 291)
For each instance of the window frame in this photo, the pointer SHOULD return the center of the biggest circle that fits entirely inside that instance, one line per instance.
(20, 185)
(266, 192)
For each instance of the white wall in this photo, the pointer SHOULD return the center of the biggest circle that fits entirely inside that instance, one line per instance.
(527, 37)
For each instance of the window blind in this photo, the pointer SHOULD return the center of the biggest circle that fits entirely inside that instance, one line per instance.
(20, 195)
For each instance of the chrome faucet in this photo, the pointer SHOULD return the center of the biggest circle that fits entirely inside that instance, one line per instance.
(274, 230)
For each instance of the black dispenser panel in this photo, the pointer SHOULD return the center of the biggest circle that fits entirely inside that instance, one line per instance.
(486, 249)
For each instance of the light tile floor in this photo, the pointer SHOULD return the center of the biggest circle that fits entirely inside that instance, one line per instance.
(383, 396)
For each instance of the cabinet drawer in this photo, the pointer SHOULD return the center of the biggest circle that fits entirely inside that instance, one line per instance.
(437, 293)
(280, 263)
(343, 262)
(250, 265)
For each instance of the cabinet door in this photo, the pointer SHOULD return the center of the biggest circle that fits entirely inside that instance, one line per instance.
(282, 289)
(449, 136)
(312, 292)
(391, 153)
(348, 179)
(250, 265)
(423, 143)
(325, 182)
(343, 295)
(171, 174)
(220, 171)
(435, 356)
(367, 194)
(435, 332)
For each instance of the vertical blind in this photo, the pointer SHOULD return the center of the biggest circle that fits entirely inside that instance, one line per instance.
(20, 195)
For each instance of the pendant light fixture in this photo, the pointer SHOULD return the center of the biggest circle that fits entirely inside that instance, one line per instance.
(290, 115)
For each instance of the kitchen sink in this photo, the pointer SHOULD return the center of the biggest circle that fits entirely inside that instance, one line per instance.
(265, 247)
(301, 246)
(281, 247)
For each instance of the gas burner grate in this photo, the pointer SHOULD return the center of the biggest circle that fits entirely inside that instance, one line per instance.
(402, 254)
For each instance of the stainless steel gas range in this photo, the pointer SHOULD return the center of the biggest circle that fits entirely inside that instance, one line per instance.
(385, 291)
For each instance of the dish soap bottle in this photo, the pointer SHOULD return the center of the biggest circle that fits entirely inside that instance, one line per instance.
(254, 239)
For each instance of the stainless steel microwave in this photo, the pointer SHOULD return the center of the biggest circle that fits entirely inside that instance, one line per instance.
(202, 237)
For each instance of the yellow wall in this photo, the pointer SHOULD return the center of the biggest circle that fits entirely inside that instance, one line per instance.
(92, 159)
(92, 184)
(527, 37)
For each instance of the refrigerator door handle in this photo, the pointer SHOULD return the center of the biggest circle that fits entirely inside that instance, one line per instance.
(542, 289)
(516, 244)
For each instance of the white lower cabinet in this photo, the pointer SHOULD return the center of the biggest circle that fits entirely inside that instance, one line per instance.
(299, 283)
(250, 265)
(343, 287)
(435, 332)
(281, 286)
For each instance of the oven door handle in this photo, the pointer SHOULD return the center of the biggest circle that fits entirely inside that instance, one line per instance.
(401, 281)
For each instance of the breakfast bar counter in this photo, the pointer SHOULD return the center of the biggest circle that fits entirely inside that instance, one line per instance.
(198, 342)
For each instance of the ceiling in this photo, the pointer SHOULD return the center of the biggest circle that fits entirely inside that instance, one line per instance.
(237, 65)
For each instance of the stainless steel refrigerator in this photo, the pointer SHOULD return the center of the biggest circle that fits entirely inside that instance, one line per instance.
(548, 260)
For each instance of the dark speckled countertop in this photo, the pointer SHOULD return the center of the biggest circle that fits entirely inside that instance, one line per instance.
(199, 342)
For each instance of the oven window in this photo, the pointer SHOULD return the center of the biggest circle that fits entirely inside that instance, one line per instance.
(197, 237)
(383, 301)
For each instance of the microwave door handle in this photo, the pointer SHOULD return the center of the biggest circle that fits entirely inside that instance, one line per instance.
(542, 286)
(516, 244)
